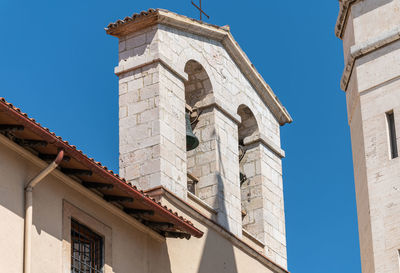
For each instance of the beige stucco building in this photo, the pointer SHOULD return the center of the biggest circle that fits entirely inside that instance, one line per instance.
(217, 208)
(370, 30)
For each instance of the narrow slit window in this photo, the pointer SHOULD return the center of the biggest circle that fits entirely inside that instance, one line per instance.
(398, 253)
(392, 135)
(86, 250)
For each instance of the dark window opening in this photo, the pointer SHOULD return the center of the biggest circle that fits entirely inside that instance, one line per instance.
(191, 183)
(86, 250)
(392, 135)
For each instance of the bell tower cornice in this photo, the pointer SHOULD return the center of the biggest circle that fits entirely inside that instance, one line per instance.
(345, 7)
(360, 50)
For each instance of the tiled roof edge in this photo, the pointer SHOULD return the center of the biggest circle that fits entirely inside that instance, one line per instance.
(72, 151)
(136, 16)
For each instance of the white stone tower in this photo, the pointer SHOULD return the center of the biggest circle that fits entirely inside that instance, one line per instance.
(169, 64)
(370, 30)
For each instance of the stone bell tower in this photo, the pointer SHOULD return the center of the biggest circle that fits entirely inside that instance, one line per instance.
(370, 30)
(170, 65)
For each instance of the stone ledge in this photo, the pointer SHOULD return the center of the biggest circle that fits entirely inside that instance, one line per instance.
(345, 7)
(216, 103)
(137, 64)
(262, 139)
(134, 65)
(200, 202)
(251, 237)
(360, 50)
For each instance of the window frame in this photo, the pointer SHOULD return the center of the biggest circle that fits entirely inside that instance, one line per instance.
(83, 235)
(392, 136)
(72, 212)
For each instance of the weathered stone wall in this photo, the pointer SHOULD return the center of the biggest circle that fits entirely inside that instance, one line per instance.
(274, 214)
(250, 169)
(202, 162)
(139, 126)
(251, 192)
(373, 90)
(172, 132)
(262, 199)
(227, 173)
(158, 57)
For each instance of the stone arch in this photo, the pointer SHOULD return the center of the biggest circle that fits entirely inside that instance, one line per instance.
(248, 128)
(216, 76)
(198, 87)
(249, 166)
(187, 55)
(198, 94)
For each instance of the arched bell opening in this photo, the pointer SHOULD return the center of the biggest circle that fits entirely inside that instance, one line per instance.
(249, 166)
(248, 128)
(198, 91)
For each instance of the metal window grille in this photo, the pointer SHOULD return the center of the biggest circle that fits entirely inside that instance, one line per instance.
(86, 250)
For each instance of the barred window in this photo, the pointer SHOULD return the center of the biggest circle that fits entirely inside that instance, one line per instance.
(86, 250)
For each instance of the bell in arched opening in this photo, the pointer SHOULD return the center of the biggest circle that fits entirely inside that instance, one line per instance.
(191, 139)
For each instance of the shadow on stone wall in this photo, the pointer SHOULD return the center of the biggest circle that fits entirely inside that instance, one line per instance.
(368, 7)
(212, 260)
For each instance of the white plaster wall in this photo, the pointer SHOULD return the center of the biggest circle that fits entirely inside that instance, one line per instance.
(132, 250)
(14, 173)
(204, 253)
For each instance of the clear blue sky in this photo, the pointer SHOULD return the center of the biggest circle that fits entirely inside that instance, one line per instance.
(56, 63)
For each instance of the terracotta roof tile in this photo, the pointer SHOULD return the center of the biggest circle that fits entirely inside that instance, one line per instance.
(130, 18)
(150, 12)
(164, 211)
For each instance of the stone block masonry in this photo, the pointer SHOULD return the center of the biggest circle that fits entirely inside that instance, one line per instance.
(148, 157)
(163, 68)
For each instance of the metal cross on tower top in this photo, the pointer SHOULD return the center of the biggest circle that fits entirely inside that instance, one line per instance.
(201, 10)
